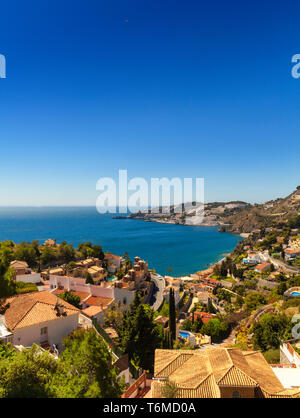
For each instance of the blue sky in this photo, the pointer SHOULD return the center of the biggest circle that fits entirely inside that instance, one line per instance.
(184, 88)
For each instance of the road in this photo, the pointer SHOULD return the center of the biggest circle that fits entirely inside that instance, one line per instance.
(278, 263)
(158, 294)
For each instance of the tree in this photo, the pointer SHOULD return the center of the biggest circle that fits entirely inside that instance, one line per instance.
(216, 270)
(254, 300)
(26, 252)
(66, 252)
(217, 329)
(169, 389)
(47, 255)
(239, 301)
(172, 315)
(281, 288)
(28, 374)
(85, 368)
(139, 335)
(272, 355)
(7, 351)
(294, 221)
(167, 340)
(85, 249)
(187, 325)
(223, 269)
(270, 330)
(197, 325)
(98, 252)
(239, 274)
(113, 316)
(234, 270)
(6, 253)
(89, 279)
(70, 298)
(210, 306)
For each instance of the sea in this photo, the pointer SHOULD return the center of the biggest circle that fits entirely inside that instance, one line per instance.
(176, 250)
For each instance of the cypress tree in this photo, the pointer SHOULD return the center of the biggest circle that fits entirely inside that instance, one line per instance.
(89, 279)
(172, 315)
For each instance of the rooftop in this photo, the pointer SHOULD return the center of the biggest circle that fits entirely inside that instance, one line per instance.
(19, 264)
(263, 266)
(92, 310)
(98, 301)
(34, 308)
(202, 373)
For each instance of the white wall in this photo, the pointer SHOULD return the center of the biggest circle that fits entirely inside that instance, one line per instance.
(58, 329)
(79, 285)
(104, 292)
(29, 278)
(120, 294)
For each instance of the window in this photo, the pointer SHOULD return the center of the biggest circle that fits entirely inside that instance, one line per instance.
(236, 394)
(44, 330)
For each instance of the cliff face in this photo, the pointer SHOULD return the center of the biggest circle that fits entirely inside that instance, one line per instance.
(237, 217)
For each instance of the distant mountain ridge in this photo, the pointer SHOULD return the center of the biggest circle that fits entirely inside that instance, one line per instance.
(234, 216)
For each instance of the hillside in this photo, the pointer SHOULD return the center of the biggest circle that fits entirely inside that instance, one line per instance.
(237, 217)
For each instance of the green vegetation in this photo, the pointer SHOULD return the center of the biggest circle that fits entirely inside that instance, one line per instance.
(270, 330)
(139, 335)
(217, 329)
(28, 374)
(22, 287)
(47, 255)
(89, 279)
(70, 298)
(41, 256)
(7, 351)
(172, 315)
(84, 370)
(88, 250)
(169, 389)
(294, 221)
(164, 310)
(254, 300)
(272, 355)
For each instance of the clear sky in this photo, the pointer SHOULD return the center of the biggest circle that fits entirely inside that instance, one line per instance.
(158, 87)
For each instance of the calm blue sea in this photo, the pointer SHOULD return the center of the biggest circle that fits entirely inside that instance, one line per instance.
(185, 249)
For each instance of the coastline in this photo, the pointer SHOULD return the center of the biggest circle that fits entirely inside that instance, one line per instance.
(185, 250)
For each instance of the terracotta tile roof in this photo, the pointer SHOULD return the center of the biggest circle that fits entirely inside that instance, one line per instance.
(109, 256)
(292, 251)
(33, 308)
(18, 264)
(262, 372)
(92, 311)
(98, 301)
(201, 373)
(262, 266)
(205, 316)
(235, 377)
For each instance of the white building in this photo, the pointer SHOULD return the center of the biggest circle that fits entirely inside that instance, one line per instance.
(40, 317)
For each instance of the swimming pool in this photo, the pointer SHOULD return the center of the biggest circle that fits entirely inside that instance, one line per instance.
(111, 278)
(184, 334)
(295, 294)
